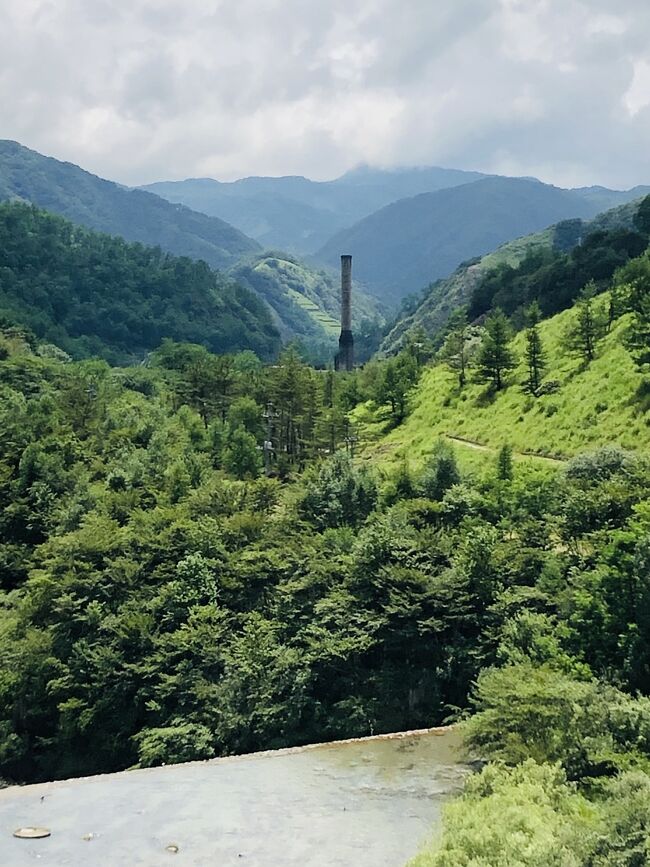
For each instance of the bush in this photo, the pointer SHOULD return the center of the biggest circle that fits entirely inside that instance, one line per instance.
(181, 742)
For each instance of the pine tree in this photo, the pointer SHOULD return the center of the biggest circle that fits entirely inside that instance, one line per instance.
(505, 469)
(495, 357)
(454, 349)
(587, 327)
(534, 351)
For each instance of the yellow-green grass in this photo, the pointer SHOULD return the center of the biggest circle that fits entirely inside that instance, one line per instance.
(322, 317)
(593, 406)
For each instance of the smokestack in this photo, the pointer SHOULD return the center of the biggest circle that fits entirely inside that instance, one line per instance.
(345, 357)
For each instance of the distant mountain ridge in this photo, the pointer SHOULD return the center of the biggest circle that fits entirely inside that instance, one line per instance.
(445, 295)
(298, 214)
(65, 189)
(411, 242)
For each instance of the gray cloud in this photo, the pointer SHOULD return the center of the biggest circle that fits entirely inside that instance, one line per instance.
(174, 88)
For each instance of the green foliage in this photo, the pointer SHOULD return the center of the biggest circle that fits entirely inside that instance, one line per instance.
(93, 294)
(505, 467)
(340, 494)
(241, 457)
(534, 350)
(588, 327)
(440, 472)
(181, 742)
(528, 816)
(642, 217)
(554, 279)
(495, 358)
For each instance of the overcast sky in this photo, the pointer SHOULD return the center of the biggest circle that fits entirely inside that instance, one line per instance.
(143, 90)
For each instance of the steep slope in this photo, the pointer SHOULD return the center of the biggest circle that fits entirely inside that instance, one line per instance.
(298, 214)
(305, 302)
(408, 243)
(87, 200)
(597, 405)
(443, 296)
(93, 294)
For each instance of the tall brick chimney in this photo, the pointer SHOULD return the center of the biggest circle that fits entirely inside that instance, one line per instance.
(345, 357)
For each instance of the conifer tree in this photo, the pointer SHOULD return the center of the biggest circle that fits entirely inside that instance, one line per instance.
(534, 352)
(495, 357)
(587, 327)
(505, 469)
(454, 349)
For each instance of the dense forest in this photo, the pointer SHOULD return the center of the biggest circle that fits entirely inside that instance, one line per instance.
(69, 191)
(96, 295)
(204, 555)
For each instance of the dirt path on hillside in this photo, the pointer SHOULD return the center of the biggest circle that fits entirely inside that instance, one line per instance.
(479, 447)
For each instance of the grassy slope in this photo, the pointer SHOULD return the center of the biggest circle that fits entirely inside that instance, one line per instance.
(594, 406)
(444, 296)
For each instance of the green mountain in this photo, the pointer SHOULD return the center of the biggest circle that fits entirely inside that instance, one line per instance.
(443, 296)
(104, 206)
(306, 302)
(300, 215)
(93, 294)
(587, 406)
(402, 247)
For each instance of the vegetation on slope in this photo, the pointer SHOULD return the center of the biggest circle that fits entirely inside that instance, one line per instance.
(586, 405)
(408, 243)
(300, 215)
(91, 294)
(307, 305)
(540, 250)
(87, 200)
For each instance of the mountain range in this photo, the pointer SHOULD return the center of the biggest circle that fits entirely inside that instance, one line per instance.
(432, 310)
(104, 206)
(299, 215)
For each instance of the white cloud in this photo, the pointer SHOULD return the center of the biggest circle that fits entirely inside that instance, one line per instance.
(173, 88)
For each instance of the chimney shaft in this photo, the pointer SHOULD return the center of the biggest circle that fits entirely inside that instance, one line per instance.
(345, 356)
(346, 293)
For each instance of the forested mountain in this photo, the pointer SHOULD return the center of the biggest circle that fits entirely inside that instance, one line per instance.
(404, 246)
(162, 602)
(87, 200)
(93, 294)
(605, 199)
(307, 304)
(542, 251)
(300, 215)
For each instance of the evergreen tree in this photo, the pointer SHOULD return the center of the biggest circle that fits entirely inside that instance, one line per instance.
(505, 468)
(495, 357)
(534, 351)
(441, 472)
(454, 349)
(634, 282)
(588, 327)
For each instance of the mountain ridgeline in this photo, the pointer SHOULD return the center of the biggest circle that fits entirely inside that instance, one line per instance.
(550, 266)
(300, 215)
(96, 295)
(409, 243)
(104, 206)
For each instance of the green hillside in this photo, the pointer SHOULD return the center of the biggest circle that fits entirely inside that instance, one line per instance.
(306, 302)
(443, 296)
(590, 406)
(405, 245)
(93, 294)
(98, 204)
